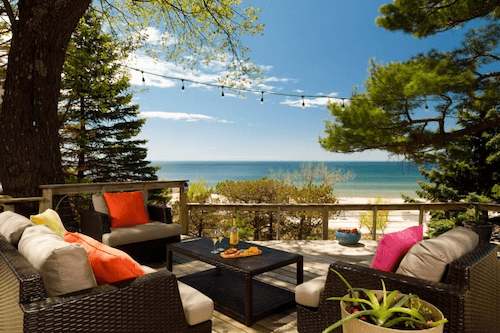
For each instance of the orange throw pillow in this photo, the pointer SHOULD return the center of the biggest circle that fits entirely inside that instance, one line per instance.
(108, 264)
(126, 208)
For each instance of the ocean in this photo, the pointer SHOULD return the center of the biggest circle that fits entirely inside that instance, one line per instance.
(372, 179)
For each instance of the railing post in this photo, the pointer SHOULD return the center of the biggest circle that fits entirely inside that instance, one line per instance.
(325, 222)
(183, 218)
(374, 223)
(278, 217)
(47, 200)
(421, 215)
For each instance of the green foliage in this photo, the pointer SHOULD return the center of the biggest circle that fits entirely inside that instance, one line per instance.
(311, 176)
(455, 87)
(254, 191)
(97, 117)
(245, 230)
(439, 226)
(200, 220)
(366, 218)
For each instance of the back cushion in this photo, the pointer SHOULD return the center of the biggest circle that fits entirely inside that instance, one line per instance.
(109, 264)
(427, 260)
(126, 208)
(12, 226)
(64, 267)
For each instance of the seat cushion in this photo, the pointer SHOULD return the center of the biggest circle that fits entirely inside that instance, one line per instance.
(51, 219)
(141, 233)
(309, 293)
(108, 264)
(197, 306)
(126, 208)
(64, 267)
(12, 226)
(427, 259)
(394, 246)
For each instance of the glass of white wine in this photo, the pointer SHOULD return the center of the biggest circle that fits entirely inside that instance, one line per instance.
(214, 236)
(220, 235)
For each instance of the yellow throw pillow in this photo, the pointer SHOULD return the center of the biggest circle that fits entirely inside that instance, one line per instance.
(51, 219)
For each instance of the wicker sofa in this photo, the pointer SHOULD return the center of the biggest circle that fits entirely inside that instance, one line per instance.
(469, 297)
(145, 243)
(154, 302)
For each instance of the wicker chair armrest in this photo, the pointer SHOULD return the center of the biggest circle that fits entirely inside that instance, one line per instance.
(160, 213)
(149, 303)
(94, 224)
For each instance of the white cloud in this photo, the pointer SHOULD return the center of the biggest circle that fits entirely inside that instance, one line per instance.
(182, 116)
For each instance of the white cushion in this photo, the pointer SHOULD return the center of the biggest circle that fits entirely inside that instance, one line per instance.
(197, 306)
(141, 233)
(427, 259)
(148, 269)
(12, 226)
(64, 267)
(309, 293)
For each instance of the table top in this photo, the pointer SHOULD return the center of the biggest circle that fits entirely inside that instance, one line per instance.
(269, 259)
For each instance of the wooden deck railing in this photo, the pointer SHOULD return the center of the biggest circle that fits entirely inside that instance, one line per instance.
(49, 191)
(326, 208)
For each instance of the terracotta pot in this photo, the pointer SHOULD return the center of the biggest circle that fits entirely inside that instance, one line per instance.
(357, 325)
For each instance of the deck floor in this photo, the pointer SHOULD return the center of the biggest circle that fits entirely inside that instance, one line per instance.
(318, 255)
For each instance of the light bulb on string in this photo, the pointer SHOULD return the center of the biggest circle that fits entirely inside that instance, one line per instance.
(143, 79)
(182, 88)
(426, 106)
(343, 105)
(303, 103)
(222, 95)
(262, 98)
(465, 107)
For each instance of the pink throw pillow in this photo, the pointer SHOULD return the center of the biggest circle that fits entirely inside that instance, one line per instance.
(394, 246)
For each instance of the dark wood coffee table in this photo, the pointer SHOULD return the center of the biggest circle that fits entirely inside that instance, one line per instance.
(231, 285)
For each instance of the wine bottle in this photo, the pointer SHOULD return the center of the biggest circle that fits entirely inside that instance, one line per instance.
(233, 239)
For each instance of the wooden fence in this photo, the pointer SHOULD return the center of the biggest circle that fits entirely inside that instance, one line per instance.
(49, 191)
(326, 208)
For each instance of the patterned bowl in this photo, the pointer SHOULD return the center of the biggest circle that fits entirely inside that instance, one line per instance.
(347, 238)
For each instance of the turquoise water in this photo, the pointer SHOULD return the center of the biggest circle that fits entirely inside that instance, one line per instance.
(385, 179)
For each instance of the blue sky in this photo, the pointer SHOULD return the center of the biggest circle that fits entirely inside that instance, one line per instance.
(319, 47)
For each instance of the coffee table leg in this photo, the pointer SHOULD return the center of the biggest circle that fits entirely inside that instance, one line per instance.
(169, 260)
(300, 271)
(248, 301)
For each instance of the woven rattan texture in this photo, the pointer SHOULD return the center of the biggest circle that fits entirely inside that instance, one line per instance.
(149, 303)
(472, 305)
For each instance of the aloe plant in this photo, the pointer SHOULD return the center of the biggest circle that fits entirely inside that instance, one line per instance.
(381, 311)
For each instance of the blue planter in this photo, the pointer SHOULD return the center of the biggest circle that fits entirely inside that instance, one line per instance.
(347, 239)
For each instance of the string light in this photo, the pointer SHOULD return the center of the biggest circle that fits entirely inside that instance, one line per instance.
(242, 89)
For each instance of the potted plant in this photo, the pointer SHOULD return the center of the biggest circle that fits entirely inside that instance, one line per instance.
(477, 221)
(348, 236)
(379, 311)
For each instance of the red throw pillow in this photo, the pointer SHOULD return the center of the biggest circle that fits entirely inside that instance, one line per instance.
(394, 246)
(126, 208)
(108, 264)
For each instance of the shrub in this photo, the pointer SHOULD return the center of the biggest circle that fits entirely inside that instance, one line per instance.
(366, 218)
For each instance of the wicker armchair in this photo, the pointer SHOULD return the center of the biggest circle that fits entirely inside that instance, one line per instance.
(469, 298)
(96, 224)
(150, 303)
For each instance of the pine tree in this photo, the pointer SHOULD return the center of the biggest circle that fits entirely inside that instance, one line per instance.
(98, 120)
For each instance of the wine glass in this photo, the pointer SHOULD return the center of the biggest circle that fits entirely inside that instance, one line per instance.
(214, 236)
(220, 235)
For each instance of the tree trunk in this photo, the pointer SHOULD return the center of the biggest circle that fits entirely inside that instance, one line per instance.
(29, 137)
